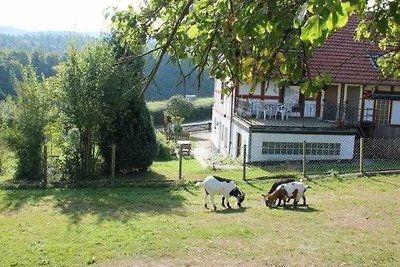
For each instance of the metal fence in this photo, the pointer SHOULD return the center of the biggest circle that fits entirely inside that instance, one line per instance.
(369, 156)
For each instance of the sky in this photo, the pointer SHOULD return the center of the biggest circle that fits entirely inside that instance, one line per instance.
(58, 15)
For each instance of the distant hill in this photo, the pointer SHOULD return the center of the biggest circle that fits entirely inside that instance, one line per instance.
(49, 41)
(167, 81)
(11, 30)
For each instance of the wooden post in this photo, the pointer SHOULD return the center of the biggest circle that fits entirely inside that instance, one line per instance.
(113, 151)
(304, 158)
(244, 161)
(362, 155)
(180, 161)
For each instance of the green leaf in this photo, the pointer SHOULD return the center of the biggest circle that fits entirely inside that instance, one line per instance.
(193, 32)
(311, 30)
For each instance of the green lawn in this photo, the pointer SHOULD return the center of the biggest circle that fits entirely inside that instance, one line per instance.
(353, 222)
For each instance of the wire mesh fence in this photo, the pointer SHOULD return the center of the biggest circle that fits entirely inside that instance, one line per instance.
(307, 159)
(381, 155)
(162, 172)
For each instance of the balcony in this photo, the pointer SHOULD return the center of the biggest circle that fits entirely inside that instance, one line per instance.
(308, 115)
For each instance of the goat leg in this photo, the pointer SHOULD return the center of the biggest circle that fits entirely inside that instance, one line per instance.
(223, 200)
(212, 201)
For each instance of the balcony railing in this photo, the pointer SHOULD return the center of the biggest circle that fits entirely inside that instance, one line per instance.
(303, 115)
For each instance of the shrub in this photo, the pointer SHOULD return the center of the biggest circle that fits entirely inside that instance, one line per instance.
(135, 139)
(166, 148)
(178, 108)
(26, 125)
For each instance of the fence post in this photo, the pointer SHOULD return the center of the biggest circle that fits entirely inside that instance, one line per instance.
(304, 158)
(362, 155)
(180, 161)
(244, 161)
(113, 151)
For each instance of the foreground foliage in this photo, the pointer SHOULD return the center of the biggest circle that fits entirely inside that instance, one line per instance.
(252, 41)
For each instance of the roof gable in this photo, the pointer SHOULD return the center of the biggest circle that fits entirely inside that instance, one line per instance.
(349, 60)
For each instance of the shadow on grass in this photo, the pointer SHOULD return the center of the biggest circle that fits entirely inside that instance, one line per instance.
(300, 208)
(233, 210)
(118, 203)
(250, 183)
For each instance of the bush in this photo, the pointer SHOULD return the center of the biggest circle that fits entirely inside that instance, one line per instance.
(25, 133)
(166, 148)
(135, 139)
(200, 113)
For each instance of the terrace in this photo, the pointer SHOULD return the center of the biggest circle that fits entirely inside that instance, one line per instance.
(308, 115)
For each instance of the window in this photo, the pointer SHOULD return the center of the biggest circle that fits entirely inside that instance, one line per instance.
(296, 148)
(374, 58)
(382, 111)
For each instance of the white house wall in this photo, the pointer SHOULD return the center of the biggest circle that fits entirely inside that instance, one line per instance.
(257, 139)
(244, 132)
(272, 89)
(244, 89)
(220, 133)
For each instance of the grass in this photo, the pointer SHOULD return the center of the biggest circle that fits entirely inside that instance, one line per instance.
(199, 102)
(348, 222)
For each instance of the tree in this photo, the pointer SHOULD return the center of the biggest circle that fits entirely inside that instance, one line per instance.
(127, 120)
(178, 108)
(26, 124)
(82, 85)
(251, 41)
(101, 106)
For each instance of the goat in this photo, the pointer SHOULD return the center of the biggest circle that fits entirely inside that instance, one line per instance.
(214, 185)
(278, 183)
(294, 190)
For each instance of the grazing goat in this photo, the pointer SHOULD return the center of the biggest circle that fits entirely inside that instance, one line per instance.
(294, 190)
(278, 183)
(214, 185)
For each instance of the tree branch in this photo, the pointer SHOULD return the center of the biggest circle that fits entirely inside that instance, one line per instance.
(167, 44)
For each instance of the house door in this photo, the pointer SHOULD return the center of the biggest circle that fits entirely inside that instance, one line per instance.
(330, 108)
(238, 145)
(352, 103)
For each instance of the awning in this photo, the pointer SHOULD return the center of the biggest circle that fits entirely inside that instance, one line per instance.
(385, 95)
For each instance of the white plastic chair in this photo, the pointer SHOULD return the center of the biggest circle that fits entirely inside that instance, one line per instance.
(270, 110)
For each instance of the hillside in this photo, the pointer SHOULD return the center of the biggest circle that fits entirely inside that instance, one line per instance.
(167, 82)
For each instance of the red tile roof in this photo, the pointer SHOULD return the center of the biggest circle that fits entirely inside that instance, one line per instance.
(348, 60)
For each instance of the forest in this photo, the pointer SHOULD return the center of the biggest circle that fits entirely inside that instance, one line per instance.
(45, 50)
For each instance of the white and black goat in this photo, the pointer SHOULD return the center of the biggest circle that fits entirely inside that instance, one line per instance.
(293, 190)
(214, 185)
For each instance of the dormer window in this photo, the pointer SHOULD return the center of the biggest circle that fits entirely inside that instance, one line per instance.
(374, 57)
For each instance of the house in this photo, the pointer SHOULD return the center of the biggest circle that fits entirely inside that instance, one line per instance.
(274, 122)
